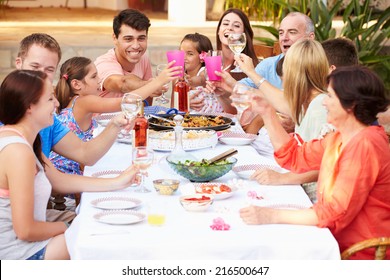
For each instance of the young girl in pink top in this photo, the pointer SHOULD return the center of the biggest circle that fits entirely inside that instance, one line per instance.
(195, 45)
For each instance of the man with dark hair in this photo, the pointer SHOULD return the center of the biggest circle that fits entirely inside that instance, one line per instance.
(126, 67)
(340, 52)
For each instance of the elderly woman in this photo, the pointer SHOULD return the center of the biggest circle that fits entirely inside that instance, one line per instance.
(354, 162)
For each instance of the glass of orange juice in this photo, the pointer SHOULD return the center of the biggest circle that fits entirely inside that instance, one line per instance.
(156, 214)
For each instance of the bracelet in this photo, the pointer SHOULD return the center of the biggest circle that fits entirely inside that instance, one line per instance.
(260, 82)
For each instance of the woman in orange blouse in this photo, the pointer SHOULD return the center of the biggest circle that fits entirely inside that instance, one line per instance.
(354, 162)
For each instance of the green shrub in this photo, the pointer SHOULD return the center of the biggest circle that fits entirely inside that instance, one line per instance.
(370, 31)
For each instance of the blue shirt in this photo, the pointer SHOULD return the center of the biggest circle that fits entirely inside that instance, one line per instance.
(51, 135)
(267, 69)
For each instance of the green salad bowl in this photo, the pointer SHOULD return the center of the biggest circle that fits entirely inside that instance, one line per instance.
(200, 172)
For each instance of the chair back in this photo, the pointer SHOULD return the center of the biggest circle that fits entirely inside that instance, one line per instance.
(381, 244)
(264, 51)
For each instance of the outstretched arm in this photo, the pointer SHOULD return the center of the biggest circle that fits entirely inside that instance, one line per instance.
(70, 183)
(132, 83)
(88, 153)
(276, 132)
(273, 94)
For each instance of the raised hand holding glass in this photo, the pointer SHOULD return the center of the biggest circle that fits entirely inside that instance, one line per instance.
(131, 106)
(162, 99)
(241, 98)
(143, 158)
(237, 43)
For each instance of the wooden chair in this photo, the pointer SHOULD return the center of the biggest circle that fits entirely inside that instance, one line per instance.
(381, 244)
(264, 51)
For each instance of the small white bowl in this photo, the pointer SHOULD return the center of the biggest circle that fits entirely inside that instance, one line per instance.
(166, 186)
(196, 202)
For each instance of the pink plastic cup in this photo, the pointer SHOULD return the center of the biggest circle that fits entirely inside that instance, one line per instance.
(178, 56)
(213, 63)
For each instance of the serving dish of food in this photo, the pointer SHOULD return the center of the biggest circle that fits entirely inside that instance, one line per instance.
(192, 121)
(217, 190)
(191, 139)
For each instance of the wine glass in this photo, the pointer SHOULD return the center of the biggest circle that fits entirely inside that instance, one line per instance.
(237, 43)
(162, 99)
(143, 158)
(131, 106)
(241, 98)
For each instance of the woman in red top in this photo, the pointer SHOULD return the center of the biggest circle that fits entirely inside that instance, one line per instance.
(354, 162)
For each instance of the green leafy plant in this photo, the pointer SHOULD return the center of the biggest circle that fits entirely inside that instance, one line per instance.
(370, 32)
(316, 9)
(255, 9)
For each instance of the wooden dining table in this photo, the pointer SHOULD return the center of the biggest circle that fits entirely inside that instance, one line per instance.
(189, 235)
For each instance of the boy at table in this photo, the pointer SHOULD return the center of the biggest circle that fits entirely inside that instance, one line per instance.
(126, 67)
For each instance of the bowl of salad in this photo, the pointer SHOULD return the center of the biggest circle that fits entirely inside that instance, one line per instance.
(202, 171)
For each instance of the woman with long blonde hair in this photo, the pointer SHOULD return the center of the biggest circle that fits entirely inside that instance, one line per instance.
(305, 69)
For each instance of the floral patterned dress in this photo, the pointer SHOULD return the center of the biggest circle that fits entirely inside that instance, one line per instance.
(64, 164)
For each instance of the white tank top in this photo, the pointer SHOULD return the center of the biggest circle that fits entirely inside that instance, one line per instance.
(10, 246)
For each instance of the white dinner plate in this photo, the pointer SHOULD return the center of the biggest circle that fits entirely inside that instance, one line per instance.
(237, 138)
(217, 196)
(104, 119)
(246, 171)
(119, 217)
(107, 173)
(124, 140)
(116, 202)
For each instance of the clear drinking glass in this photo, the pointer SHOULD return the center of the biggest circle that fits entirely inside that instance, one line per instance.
(241, 98)
(162, 99)
(143, 158)
(131, 106)
(237, 43)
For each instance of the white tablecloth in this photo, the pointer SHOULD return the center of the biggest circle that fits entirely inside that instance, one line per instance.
(187, 235)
